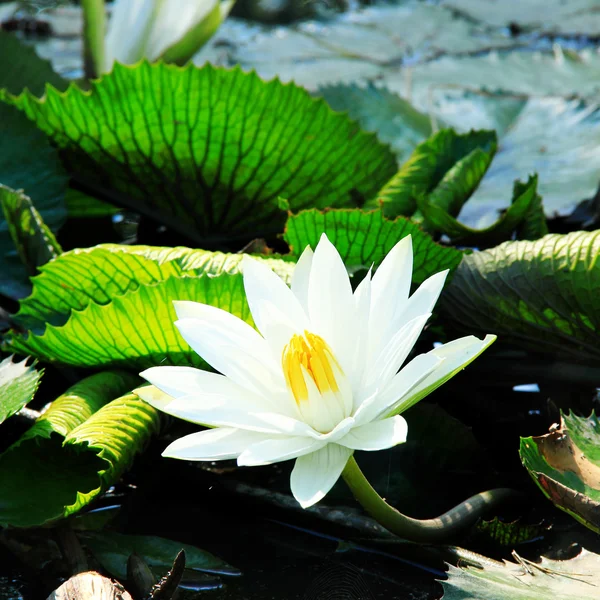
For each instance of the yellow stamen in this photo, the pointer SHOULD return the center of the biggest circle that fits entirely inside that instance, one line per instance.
(312, 353)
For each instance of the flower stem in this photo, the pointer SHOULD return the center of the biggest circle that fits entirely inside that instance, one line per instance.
(428, 530)
(94, 28)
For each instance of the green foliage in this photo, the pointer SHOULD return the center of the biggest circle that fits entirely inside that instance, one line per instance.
(112, 550)
(74, 451)
(209, 151)
(541, 294)
(565, 464)
(510, 533)
(18, 384)
(113, 305)
(428, 165)
(34, 242)
(525, 216)
(574, 579)
(363, 238)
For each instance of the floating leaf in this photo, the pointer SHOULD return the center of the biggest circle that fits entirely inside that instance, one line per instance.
(364, 239)
(565, 464)
(113, 549)
(34, 242)
(18, 384)
(574, 579)
(97, 275)
(395, 121)
(74, 451)
(541, 294)
(428, 165)
(209, 151)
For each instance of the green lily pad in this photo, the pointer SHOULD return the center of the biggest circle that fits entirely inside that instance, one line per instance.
(74, 451)
(98, 275)
(565, 464)
(209, 151)
(363, 239)
(18, 384)
(540, 294)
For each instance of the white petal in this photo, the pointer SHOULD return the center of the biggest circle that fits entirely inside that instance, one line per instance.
(301, 277)
(422, 301)
(272, 304)
(377, 405)
(153, 396)
(214, 444)
(277, 450)
(246, 359)
(362, 299)
(390, 289)
(316, 473)
(455, 356)
(377, 435)
(380, 369)
(218, 412)
(331, 303)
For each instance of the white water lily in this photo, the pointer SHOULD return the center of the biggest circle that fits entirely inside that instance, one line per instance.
(320, 377)
(150, 28)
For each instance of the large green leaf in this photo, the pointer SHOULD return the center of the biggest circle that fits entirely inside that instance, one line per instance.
(541, 294)
(34, 242)
(97, 275)
(364, 239)
(565, 464)
(27, 161)
(74, 451)
(574, 579)
(113, 549)
(18, 384)
(209, 151)
(135, 330)
(444, 153)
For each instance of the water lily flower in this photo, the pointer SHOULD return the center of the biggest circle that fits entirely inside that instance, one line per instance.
(172, 29)
(324, 373)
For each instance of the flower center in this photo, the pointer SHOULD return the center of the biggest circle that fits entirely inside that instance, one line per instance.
(309, 356)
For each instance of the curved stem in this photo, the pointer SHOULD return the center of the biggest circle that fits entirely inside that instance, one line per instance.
(428, 530)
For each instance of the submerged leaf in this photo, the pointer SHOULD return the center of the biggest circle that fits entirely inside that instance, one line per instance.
(541, 294)
(209, 151)
(565, 464)
(113, 549)
(574, 579)
(74, 451)
(18, 384)
(33, 239)
(363, 238)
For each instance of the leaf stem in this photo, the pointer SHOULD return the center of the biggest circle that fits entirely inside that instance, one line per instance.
(94, 28)
(428, 530)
